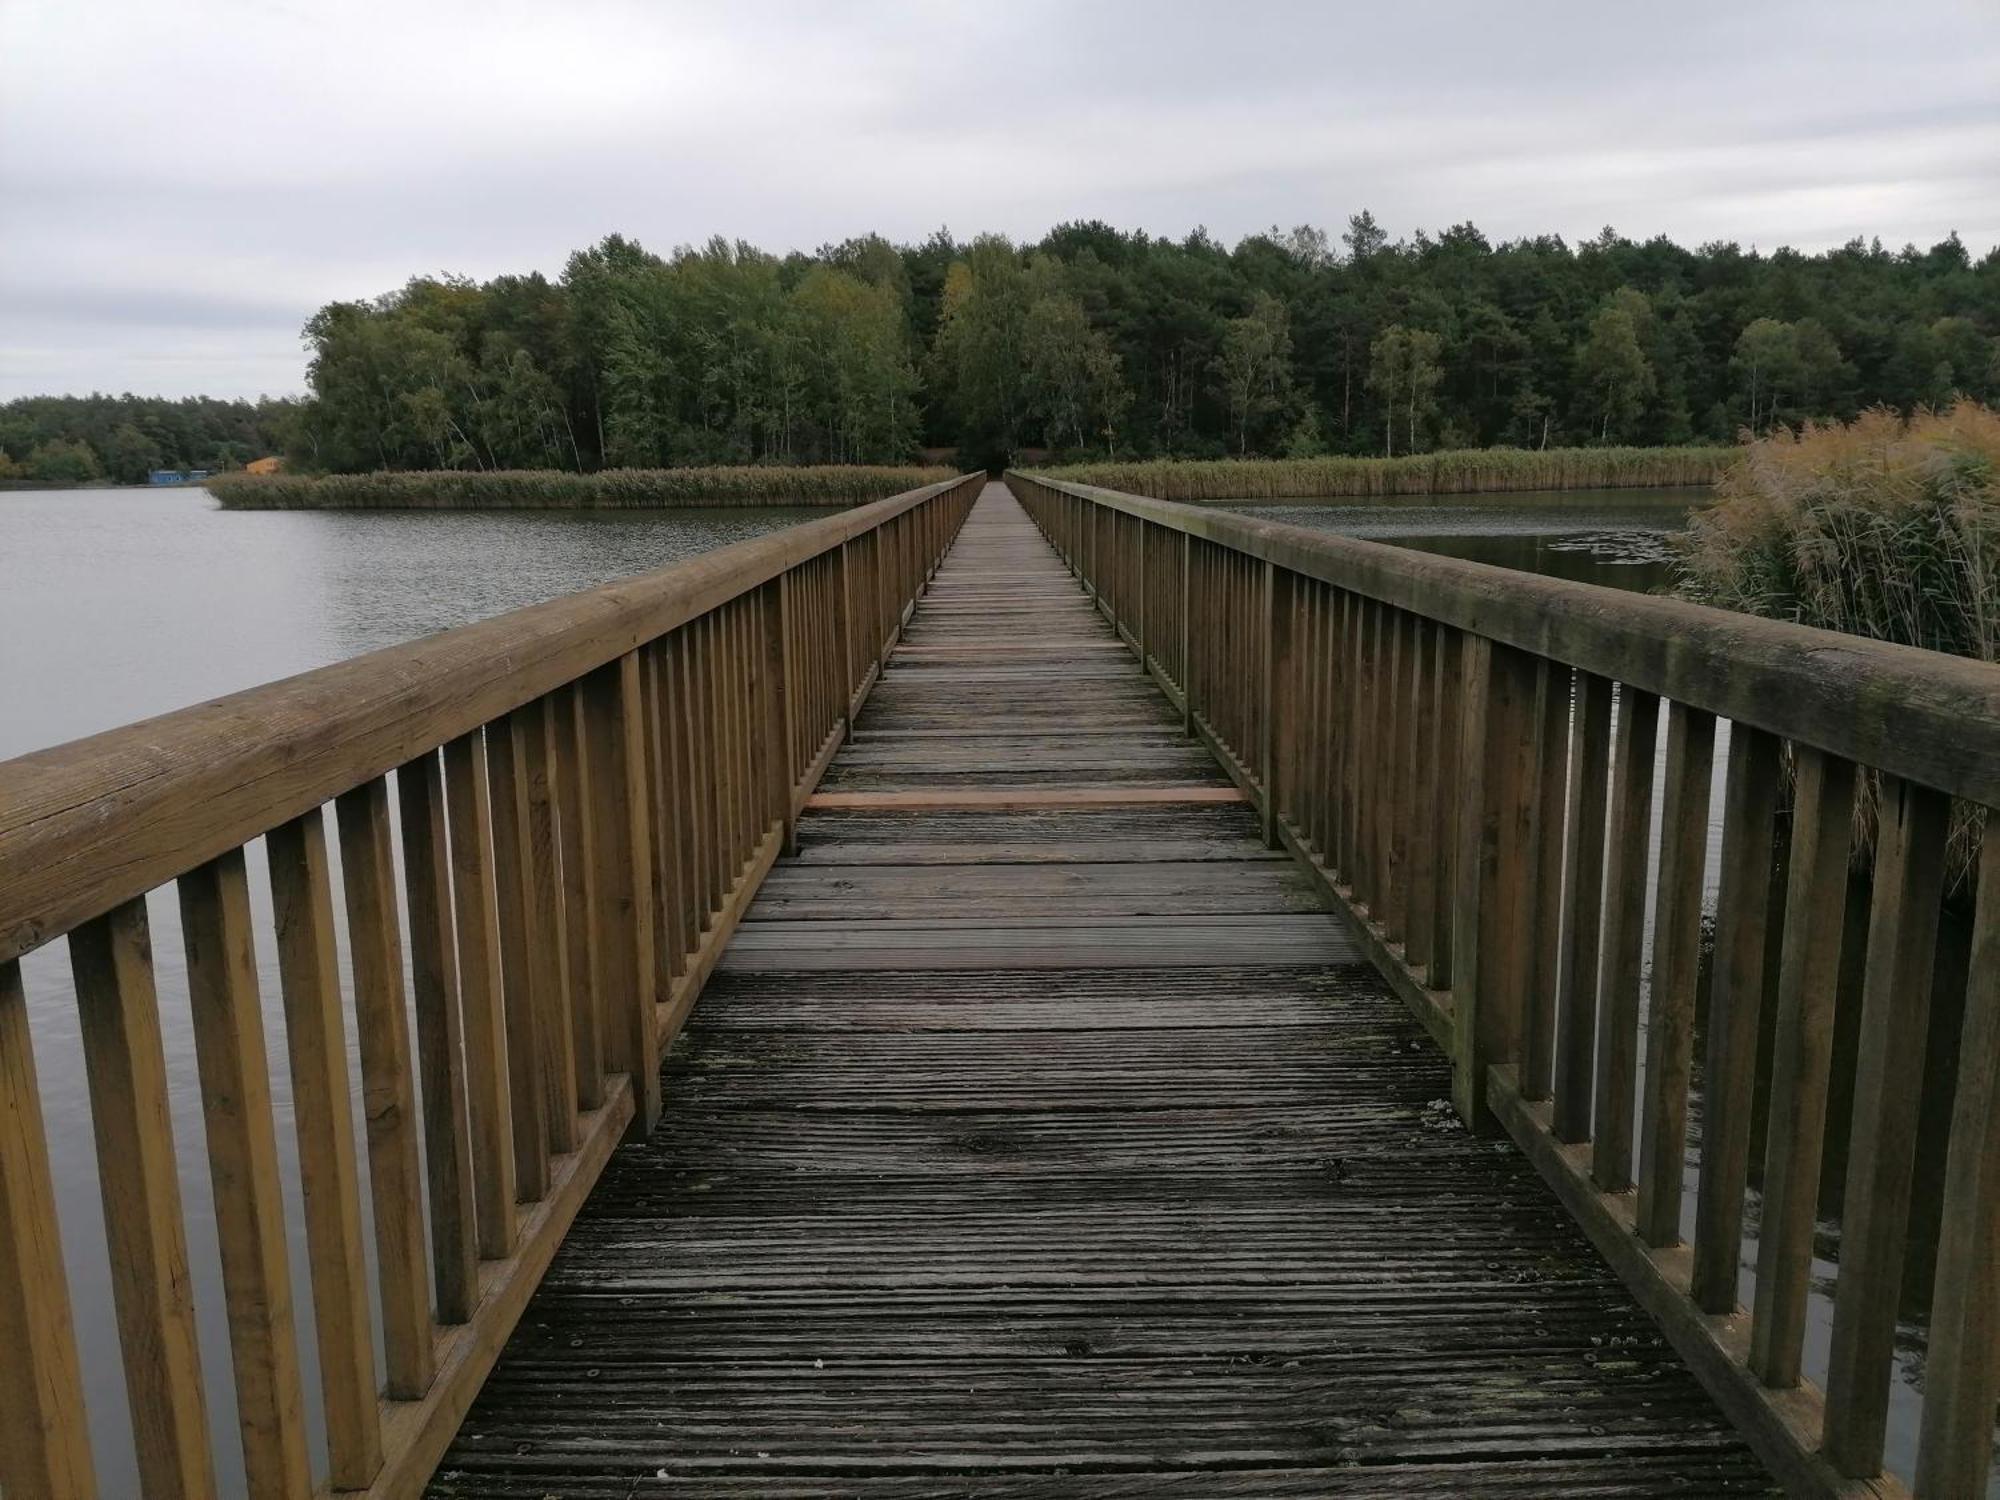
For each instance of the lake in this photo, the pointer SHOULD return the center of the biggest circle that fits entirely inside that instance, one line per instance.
(1614, 537)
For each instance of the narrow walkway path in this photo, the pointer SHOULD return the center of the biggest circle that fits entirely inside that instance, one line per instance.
(1058, 1149)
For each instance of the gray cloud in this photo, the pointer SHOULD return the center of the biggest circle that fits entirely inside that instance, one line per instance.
(183, 184)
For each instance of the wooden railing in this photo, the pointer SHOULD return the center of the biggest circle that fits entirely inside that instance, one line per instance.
(1466, 757)
(573, 803)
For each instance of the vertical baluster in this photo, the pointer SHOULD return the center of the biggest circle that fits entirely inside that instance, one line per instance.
(1801, 1060)
(1624, 940)
(1583, 900)
(440, 1047)
(779, 708)
(623, 884)
(1552, 735)
(1441, 975)
(1354, 734)
(315, 1038)
(1493, 904)
(118, 1011)
(549, 953)
(1962, 1365)
(660, 825)
(1396, 787)
(1420, 771)
(482, 1024)
(1676, 964)
(506, 757)
(44, 1444)
(1888, 1091)
(235, 1073)
(1742, 913)
(577, 850)
(672, 940)
(1278, 670)
(381, 1025)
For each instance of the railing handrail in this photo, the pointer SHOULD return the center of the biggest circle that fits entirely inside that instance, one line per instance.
(1923, 715)
(89, 824)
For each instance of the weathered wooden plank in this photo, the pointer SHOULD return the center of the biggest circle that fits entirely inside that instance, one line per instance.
(315, 1039)
(235, 1071)
(1910, 866)
(119, 1021)
(44, 1444)
(1801, 1062)
(389, 1105)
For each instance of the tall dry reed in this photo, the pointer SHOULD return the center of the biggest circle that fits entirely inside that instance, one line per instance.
(555, 489)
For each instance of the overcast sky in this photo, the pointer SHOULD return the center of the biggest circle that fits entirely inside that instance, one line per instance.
(181, 184)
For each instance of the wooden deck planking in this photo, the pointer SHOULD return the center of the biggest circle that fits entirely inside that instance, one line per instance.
(1065, 1150)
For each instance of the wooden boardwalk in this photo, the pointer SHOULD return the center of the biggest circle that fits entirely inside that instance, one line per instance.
(1040, 1135)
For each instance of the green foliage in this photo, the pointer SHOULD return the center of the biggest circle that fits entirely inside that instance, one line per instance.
(1460, 471)
(550, 489)
(60, 461)
(128, 436)
(1091, 342)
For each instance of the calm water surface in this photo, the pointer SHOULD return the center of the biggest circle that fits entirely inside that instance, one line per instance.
(1614, 537)
(119, 604)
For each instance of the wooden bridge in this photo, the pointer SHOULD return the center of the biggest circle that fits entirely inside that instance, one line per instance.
(1220, 1023)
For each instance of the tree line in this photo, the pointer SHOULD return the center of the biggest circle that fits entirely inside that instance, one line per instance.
(1100, 342)
(86, 439)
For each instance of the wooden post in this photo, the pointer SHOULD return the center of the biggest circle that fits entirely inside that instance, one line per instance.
(1801, 1061)
(1552, 696)
(578, 861)
(235, 1073)
(1888, 1090)
(624, 903)
(1676, 963)
(1962, 1366)
(1494, 904)
(44, 1444)
(1583, 897)
(1275, 668)
(1624, 942)
(507, 751)
(781, 702)
(315, 1037)
(1735, 998)
(1187, 615)
(112, 959)
(481, 1017)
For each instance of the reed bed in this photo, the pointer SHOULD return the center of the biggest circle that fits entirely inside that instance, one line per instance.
(1454, 472)
(555, 489)
(1881, 527)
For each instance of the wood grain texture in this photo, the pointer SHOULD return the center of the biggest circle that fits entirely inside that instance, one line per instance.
(1066, 1150)
(44, 1444)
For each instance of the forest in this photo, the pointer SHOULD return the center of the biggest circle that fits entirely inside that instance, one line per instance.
(86, 439)
(1091, 343)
